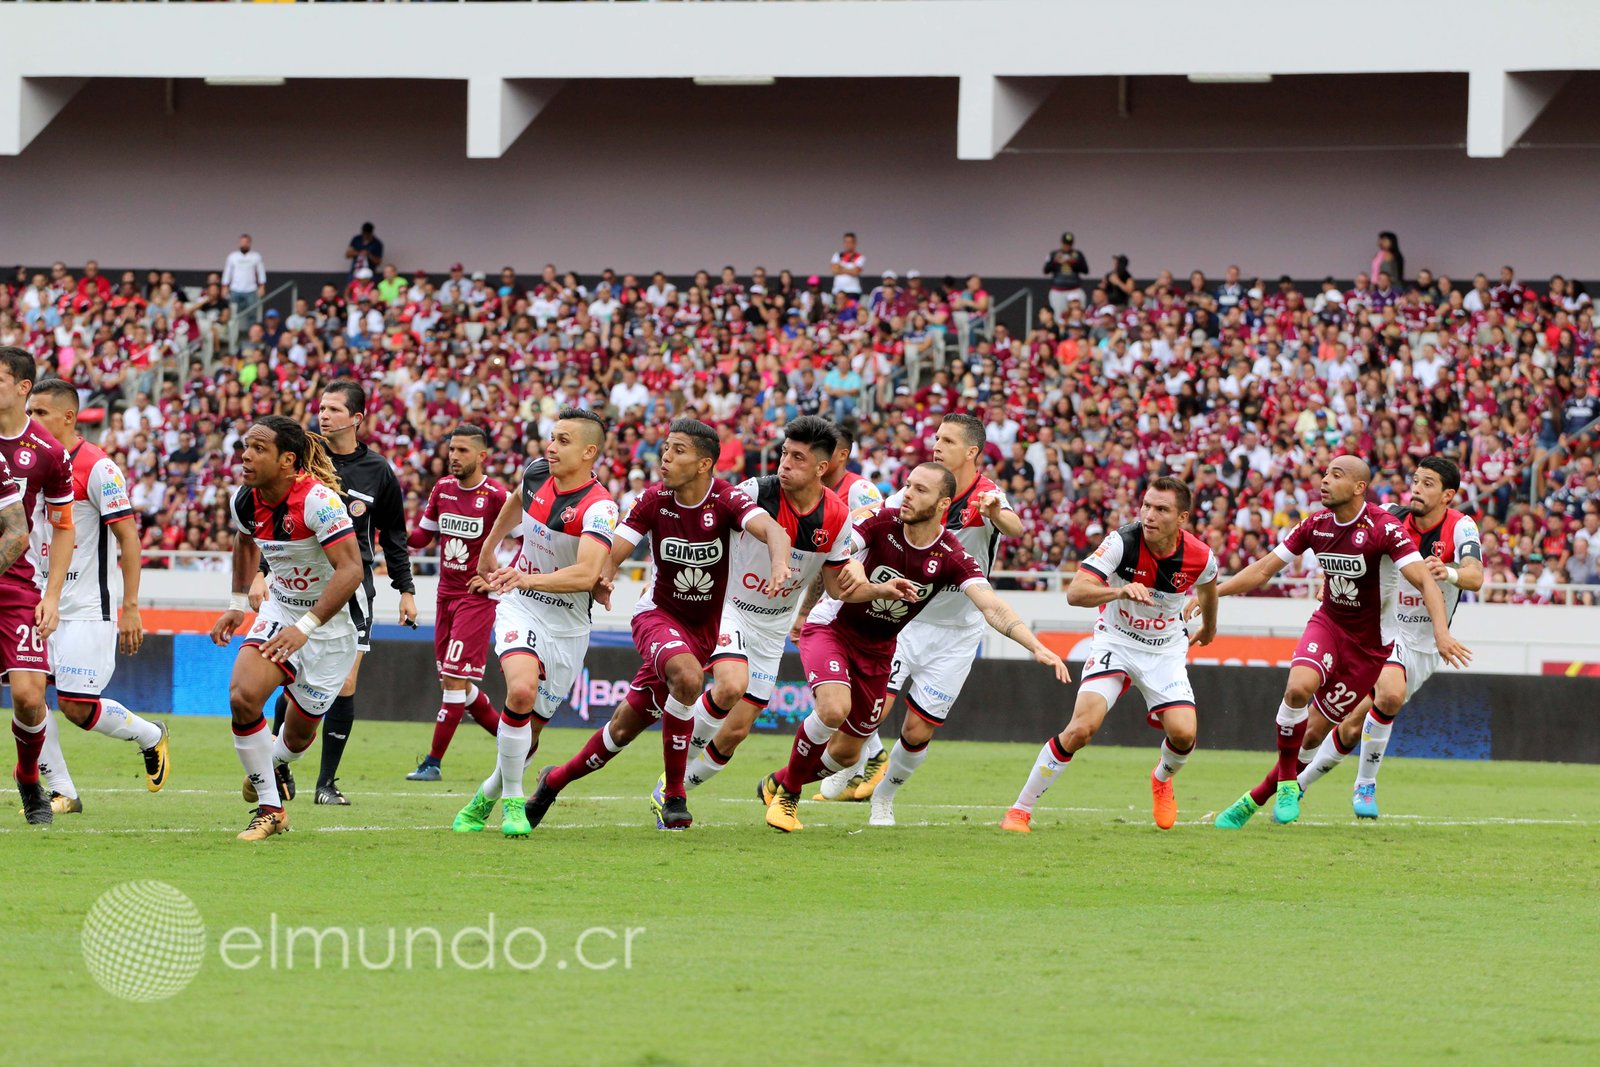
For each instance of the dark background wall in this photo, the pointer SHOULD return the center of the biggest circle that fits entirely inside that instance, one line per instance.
(1454, 717)
(1296, 177)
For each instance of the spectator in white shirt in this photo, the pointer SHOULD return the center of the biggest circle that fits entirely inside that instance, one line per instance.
(1002, 429)
(245, 277)
(630, 392)
(847, 265)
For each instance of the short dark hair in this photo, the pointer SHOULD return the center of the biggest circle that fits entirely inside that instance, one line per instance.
(948, 488)
(598, 431)
(467, 429)
(355, 397)
(19, 361)
(704, 437)
(816, 433)
(1177, 488)
(971, 428)
(58, 388)
(1448, 472)
(845, 430)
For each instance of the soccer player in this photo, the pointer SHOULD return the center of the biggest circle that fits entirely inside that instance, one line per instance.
(904, 556)
(28, 617)
(860, 495)
(83, 650)
(1345, 645)
(935, 653)
(1139, 578)
(1453, 553)
(375, 500)
(690, 517)
(304, 638)
(569, 521)
(460, 510)
(755, 615)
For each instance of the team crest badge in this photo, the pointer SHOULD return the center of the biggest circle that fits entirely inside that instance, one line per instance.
(933, 567)
(477, 502)
(709, 519)
(511, 635)
(820, 538)
(568, 515)
(1361, 537)
(724, 640)
(25, 457)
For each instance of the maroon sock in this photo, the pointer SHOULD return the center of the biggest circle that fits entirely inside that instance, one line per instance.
(483, 713)
(594, 755)
(675, 735)
(805, 760)
(1268, 786)
(29, 745)
(444, 728)
(1289, 741)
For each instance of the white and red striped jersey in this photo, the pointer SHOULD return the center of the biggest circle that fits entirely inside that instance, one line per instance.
(553, 525)
(1454, 540)
(821, 537)
(1122, 559)
(293, 536)
(857, 492)
(99, 498)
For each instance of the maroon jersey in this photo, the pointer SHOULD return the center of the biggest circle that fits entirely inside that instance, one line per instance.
(41, 469)
(1353, 557)
(885, 552)
(690, 546)
(462, 518)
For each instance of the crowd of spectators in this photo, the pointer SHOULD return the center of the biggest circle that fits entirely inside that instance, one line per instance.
(1244, 386)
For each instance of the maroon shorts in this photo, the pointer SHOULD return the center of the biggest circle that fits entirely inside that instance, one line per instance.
(659, 636)
(829, 656)
(462, 627)
(1348, 668)
(21, 647)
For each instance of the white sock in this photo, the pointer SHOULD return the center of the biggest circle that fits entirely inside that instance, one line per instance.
(1047, 767)
(1324, 759)
(513, 744)
(255, 752)
(1170, 762)
(831, 765)
(281, 752)
(817, 732)
(470, 694)
(52, 763)
(118, 722)
(1374, 742)
(706, 723)
(903, 763)
(703, 767)
(1291, 717)
(873, 746)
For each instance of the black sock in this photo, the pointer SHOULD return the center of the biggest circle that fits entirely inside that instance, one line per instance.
(279, 711)
(336, 726)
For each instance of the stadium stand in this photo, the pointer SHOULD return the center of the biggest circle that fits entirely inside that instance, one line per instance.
(1241, 386)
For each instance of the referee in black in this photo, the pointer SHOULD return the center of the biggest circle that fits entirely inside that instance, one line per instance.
(372, 495)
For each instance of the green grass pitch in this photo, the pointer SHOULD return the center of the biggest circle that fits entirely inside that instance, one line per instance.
(1461, 927)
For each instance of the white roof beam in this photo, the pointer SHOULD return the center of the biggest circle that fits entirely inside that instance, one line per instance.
(28, 104)
(499, 109)
(1502, 105)
(992, 110)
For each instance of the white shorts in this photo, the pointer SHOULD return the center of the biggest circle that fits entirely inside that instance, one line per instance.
(518, 632)
(83, 656)
(931, 664)
(1418, 666)
(758, 643)
(317, 671)
(1162, 677)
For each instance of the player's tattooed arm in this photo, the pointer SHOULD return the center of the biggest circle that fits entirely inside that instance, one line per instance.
(1000, 615)
(13, 535)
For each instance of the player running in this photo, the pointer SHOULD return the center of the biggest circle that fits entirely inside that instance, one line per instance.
(41, 470)
(569, 522)
(935, 653)
(904, 556)
(375, 503)
(460, 510)
(1347, 642)
(756, 614)
(690, 518)
(83, 650)
(1453, 553)
(304, 638)
(1139, 578)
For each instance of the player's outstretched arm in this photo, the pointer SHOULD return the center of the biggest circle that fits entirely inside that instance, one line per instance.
(13, 535)
(580, 577)
(998, 614)
(769, 533)
(1206, 596)
(1252, 577)
(1453, 652)
(130, 628)
(849, 584)
(993, 507)
(1468, 574)
(1089, 590)
(246, 570)
(504, 523)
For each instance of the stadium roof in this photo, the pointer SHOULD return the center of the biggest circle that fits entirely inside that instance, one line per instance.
(1007, 54)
